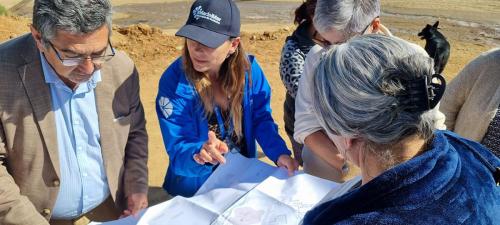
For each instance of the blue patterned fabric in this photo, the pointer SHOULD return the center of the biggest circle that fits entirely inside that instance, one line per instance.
(447, 184)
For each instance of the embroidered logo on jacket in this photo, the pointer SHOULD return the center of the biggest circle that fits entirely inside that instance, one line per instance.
(199, 13)
(166, 107)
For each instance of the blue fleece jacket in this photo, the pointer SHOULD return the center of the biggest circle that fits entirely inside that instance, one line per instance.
(185, 128)
(447, 184)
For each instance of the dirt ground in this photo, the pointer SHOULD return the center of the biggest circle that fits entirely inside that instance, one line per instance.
(153, 49)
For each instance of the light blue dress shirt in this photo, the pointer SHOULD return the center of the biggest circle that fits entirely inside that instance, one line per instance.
(83, 178)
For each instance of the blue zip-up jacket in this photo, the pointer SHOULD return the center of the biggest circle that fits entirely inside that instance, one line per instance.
(185, 128)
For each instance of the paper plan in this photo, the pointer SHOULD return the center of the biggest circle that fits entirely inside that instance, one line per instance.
(241, 192)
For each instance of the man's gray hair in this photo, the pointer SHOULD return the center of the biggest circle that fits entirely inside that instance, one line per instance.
(347, 16)
(356, 89)
(74, 16)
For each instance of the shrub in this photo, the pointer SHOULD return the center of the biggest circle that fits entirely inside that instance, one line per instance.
(3, 10)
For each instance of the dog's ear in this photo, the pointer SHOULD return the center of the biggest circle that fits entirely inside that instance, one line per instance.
(436, 24)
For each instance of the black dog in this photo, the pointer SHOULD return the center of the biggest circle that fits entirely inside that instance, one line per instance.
(436, 46)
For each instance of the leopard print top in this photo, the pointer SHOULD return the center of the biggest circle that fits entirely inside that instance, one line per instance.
(291, 66)
(293, 57)
(492, 137)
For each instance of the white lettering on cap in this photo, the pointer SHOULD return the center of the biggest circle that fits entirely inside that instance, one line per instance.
(199, 13)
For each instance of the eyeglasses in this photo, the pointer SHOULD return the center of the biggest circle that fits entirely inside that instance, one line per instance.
(320, 40)
(367, 26)
(96, 60)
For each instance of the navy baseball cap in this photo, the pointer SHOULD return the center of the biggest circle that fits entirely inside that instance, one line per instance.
(212, 22)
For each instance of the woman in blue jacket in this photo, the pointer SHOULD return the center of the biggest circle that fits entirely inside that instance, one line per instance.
(212, 99)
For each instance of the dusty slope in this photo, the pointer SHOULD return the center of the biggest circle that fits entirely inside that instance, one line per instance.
(153, 51)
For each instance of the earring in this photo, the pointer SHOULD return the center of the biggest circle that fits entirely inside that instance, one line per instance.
(345, 168)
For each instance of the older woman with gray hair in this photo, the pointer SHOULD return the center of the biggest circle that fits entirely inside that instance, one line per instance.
(336, 22)
(375, 97)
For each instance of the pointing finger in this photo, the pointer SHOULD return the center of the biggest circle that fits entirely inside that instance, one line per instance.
(212, 138)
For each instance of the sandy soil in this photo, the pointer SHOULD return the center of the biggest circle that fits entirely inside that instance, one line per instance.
(478, 11)
(9, 3)
(153, 49)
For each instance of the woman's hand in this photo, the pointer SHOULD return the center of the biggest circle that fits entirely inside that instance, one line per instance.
(211, 151)
(289, 163)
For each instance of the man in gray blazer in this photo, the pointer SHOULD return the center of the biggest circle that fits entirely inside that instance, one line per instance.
(73, 143)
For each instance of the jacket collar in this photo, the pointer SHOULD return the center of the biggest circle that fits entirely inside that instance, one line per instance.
(38, 93)
(104, 94)
(432, 173)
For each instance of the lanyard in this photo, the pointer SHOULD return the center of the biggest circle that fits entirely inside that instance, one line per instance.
(225, 136)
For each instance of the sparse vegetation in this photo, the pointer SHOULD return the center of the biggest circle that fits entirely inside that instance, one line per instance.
(3, 10)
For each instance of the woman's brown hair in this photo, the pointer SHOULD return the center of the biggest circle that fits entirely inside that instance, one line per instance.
(305, 12)
(231, 78)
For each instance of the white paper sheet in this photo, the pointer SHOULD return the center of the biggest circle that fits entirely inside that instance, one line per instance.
(242, 191)
(277, 200)
(239, 173)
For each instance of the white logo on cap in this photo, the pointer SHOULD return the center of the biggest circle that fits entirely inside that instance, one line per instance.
(166, 107)
(199, 13)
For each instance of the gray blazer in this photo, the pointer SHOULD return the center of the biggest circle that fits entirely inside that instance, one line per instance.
(29, 163)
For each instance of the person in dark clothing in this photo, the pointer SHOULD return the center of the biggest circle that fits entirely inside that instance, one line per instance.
(292, 61)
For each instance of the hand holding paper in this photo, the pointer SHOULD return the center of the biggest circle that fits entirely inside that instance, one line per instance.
(288, 163)
(135, 202)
